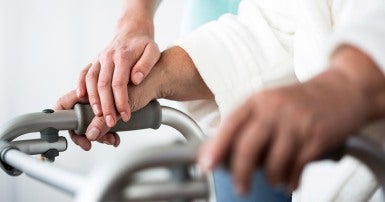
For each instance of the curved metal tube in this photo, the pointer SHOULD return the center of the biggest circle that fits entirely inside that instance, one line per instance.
(107, 181)
(68, 120)
(74, 184)
(369, 152)
(183, 123)
(45, 172)
(36, 122)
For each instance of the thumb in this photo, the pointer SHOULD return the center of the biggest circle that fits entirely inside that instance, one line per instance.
(146, 62)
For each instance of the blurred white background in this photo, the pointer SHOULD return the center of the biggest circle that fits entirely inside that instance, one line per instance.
(44, 45)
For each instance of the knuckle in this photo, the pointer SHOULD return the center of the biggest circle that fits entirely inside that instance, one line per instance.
(122, 54)
(120, 106)
(93, 98)
(102, 84)
(119, 83)
(142, 65)
(84, 71)
(99, 123)
(107, 55)
(61, 100)
(61, 103)
(91, 75)
(154, 47)
(108, 108)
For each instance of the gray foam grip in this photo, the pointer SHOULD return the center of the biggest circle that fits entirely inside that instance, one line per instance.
(148, 117)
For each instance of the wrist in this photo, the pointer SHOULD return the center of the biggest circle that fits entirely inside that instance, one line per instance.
(174, 77)
(135, 24)
(181, 80)
(364, 77)
(138, 17)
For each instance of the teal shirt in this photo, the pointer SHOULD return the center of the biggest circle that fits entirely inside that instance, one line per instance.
(199, 12)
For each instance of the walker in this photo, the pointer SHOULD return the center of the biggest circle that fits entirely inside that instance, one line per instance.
(118, 182)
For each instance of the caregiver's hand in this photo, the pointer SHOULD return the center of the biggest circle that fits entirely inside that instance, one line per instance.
(128, 58)
(282, 129)
(138, 96)
(174, 77)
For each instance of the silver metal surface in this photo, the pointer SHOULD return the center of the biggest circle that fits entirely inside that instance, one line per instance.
(68, 182)
(36, 122)
(183, 123)
(156, 191)
(39, 146)
(370, 153)
(108, 182)
(191, 131)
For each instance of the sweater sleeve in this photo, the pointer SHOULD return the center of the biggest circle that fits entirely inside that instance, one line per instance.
(367, 34)
(237, 55)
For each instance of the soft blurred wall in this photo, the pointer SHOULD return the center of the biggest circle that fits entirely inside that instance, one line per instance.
(43, 46)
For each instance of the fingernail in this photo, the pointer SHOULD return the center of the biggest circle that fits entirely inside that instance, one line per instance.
(79, 92)
(110, 121)
(139, 77)
(93, 134)
(206, 163)
(95, 107)
(106, 142)
(124, 116)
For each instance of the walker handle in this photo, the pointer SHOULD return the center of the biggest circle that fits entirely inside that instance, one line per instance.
(148, 117)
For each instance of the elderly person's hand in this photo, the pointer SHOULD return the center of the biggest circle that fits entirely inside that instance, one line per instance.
(128, 58)
(282, 129)
(174, 77)
(67, 102)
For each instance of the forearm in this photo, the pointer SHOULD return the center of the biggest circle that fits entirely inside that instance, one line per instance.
(362, 78)
(174, 77)
(138, 15)
(182, 80)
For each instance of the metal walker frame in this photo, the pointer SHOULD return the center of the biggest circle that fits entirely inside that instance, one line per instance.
(116, 183)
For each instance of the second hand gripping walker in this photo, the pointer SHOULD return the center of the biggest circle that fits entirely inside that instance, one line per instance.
(117, 182)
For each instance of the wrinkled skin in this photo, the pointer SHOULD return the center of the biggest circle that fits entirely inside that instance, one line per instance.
(283, 129)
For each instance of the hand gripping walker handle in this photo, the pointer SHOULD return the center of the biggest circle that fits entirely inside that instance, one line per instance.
(148, 117)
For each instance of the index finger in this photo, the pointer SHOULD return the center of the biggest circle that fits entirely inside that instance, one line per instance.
(69, 100)
(215, 150)
(120, 80)
(81, 87)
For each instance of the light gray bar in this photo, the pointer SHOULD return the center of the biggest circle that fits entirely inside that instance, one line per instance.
(36, 122)
(167, 191)
(45, 172)
(39, 146)
(183, 123)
